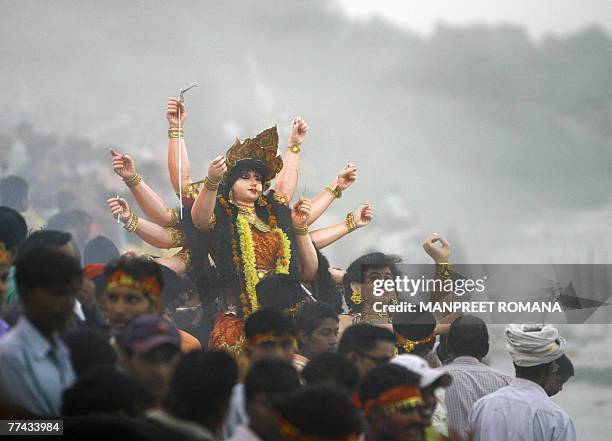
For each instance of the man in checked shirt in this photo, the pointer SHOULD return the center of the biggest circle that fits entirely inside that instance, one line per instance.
(468, 343)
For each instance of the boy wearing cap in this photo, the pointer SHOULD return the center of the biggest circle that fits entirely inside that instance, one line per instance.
(432, 384)
(150, 352)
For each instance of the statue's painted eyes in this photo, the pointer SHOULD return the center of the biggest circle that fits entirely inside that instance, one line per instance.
(248, 174)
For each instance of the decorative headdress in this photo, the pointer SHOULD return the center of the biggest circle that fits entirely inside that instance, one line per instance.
(270, 337)
(263, 148)
(396, 398)
(149, 286)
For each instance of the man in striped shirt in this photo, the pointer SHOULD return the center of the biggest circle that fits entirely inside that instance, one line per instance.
(468, 343)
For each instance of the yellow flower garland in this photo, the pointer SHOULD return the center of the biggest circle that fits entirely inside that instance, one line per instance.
(282, 264)
(247, 247)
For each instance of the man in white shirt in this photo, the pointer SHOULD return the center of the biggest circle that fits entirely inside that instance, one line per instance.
(35, 366)
(468, 344)
(523, 410)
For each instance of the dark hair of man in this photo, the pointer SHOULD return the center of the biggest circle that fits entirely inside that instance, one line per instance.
(537, 373)
(13, 228)
(363, 337)
(271, 377)
(99, 250)
(311, 316)
(201, 386)
(331, 368)
(415, 327)
(12, 190)
(382, 378)
(356, 271)
(88, 350)
(468, 335)
(9, 232)
(102, 390)
(268, 320)
(136, 267)
(321, 411)
(566, 367)
(44, 239)
(280, 291)
(45, 267)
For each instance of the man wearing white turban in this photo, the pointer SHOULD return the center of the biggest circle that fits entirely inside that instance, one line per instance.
(523, 410)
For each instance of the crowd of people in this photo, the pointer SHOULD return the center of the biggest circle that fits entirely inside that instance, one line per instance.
(246, 332)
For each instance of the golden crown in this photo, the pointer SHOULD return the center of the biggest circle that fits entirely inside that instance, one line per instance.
(264, 148)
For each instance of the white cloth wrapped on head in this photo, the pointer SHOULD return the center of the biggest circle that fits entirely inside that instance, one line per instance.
(533, 344)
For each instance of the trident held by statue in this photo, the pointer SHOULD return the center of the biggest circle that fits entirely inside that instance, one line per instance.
(180, 175)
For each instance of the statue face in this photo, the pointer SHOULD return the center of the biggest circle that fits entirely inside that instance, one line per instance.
(247, 188)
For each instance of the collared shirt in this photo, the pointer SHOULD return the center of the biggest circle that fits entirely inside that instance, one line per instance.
(244, 433)
(192, 429)
(236, 415)
(472, 380)
(34, 372)
(520, 412)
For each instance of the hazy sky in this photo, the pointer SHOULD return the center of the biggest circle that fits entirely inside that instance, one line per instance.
(539, 16)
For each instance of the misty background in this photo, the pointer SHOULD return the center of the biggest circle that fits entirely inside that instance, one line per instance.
(492, 134)
(478, 132)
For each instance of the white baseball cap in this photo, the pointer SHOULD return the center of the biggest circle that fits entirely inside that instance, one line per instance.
(419, 366)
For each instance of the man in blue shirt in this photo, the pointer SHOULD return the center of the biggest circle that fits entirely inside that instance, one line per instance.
(35, 365)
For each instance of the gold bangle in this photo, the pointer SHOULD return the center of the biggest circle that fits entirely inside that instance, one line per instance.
(176, 236)
(444, 270)
(335, 192)
(133, 181)
(300, 231)
(210, 184)
(350, 222)
(191, 191)
(295, 148)
(174, 217)
(184, 256)
(176, 133)
(281, 198)
(132, 223)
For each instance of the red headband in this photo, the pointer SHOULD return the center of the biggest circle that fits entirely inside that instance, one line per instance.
(147, 285)
(400, 396)
(269, 336)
